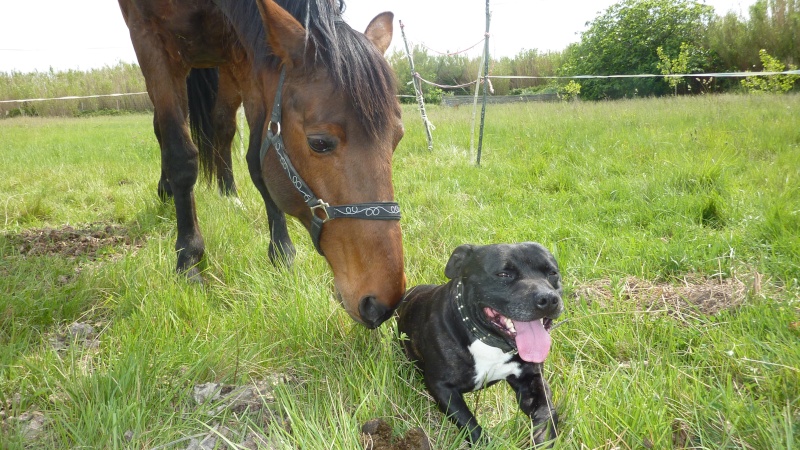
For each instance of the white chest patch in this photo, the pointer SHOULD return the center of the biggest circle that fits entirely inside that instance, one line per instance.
(491, 364)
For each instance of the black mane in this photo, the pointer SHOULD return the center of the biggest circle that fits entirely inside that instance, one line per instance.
(354, 65)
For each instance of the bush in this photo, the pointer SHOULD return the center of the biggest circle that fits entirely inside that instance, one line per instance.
(774, 84)
(570, 91)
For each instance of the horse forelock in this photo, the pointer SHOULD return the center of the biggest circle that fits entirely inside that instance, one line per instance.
(353, 63)
(359, 69)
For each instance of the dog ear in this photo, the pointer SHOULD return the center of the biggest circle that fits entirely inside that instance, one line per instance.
(456, 262)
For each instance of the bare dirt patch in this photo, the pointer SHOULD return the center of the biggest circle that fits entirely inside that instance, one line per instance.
(78, 333)
(693, 295)
(252, 403)
(31, 425)
(376, 434)
(90, 241)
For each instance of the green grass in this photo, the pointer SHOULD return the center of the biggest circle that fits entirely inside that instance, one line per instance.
(663, 190)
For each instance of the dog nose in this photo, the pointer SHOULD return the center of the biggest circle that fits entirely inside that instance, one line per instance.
(372, 312)
(549, 303)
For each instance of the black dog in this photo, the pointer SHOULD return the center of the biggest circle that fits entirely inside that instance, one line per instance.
(490, 322)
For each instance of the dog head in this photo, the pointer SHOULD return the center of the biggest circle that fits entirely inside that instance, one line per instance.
(511, 290)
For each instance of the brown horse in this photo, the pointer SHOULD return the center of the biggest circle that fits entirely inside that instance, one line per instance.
(338, 123)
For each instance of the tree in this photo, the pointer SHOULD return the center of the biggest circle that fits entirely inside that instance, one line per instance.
(424, 65)
(625, 39)
(772, 25)
(679, 65)
(775, 84)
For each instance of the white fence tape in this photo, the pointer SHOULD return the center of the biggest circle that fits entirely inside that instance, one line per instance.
(74, 97)
(650, 75)
(497, 77)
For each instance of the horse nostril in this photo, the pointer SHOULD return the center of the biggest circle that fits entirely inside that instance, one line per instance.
(372, 312)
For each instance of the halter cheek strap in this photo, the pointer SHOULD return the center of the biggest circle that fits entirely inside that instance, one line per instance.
(321, 212)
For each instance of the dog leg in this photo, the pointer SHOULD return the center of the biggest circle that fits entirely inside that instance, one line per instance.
(535, 400)
(452, 404)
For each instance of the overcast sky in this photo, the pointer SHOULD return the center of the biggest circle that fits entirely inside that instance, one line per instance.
(84, 34)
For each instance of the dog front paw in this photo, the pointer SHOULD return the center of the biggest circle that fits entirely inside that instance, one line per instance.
(545, 421)
(477, 437)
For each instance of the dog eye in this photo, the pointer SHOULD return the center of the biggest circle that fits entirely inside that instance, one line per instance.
(503, 274)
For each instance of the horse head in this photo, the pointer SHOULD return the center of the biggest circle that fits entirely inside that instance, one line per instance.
(340, 123)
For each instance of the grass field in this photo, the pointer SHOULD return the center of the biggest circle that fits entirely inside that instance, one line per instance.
(676, 223)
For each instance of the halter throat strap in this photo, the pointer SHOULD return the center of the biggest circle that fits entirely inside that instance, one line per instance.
(475, 328)
(321, 212)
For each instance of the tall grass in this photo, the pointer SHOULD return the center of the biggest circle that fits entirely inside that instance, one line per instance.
(118, 79)
(666, 191)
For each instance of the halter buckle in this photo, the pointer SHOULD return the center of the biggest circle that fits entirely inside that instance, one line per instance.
(322, 206)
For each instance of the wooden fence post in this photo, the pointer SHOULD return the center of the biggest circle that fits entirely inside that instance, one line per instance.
(485, 81)
(475, 108)
(418, 90)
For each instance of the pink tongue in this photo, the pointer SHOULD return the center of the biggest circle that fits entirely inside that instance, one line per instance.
(533, 341)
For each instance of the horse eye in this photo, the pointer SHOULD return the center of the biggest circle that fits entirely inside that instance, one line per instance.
(320, 145)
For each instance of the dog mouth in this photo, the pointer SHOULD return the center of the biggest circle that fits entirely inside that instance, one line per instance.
(532, 338)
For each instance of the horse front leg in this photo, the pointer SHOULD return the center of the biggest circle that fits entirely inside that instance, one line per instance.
(179, 163)
(165, 76)
(179, 156)
(281, 250)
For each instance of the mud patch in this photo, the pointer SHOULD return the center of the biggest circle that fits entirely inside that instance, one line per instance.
(253, 397)
(376, 434)
(79, 334)
(91, 241)
(221, 437)
(693, 295)
(30, 425)
(253, 403)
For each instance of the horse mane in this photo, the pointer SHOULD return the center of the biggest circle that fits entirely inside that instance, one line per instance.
(353, 63)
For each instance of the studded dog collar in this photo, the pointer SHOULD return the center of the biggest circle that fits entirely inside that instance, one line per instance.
(477, 329)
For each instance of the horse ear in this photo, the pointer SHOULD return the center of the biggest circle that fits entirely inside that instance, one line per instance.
(285, 34)
(456, 262)
(379, 31)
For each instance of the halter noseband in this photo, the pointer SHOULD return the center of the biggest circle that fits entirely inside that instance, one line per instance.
(367, 211)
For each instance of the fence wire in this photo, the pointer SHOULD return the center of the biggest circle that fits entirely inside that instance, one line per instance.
(490, 77)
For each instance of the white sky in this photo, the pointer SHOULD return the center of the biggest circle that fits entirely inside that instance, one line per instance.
(84, 34)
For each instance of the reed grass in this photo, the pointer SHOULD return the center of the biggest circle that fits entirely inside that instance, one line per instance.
(122, 78)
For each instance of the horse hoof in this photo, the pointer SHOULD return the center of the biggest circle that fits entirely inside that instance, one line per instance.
(236, 202)
(282, 255)
(228, 191)
(164, 191)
